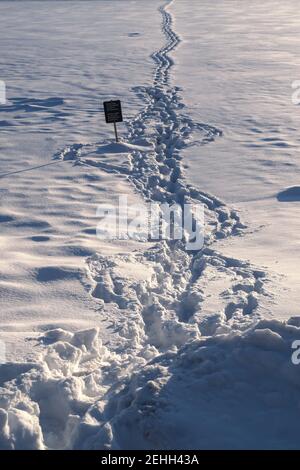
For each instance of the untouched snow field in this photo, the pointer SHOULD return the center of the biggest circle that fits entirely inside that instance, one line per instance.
(129, 344)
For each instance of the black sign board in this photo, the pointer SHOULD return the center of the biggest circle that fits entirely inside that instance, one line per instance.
(113, 111)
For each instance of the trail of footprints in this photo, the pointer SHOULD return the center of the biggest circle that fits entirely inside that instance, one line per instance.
(170, 308)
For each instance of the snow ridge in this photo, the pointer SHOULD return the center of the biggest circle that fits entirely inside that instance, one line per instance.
(185, 335)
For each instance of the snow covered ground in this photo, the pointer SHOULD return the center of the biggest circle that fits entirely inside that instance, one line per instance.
(130, 344)
(56, 82)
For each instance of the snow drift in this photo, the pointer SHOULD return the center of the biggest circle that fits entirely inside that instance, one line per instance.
(191, 362)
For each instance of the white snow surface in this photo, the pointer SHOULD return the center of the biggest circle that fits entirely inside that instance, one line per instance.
(242, 60)
(127, 344)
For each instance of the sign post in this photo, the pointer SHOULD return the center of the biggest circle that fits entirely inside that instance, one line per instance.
(113, 114)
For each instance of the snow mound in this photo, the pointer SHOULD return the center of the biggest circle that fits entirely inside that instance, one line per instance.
(231, 391)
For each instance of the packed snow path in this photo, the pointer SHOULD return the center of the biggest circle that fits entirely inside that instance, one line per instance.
(189, 327)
